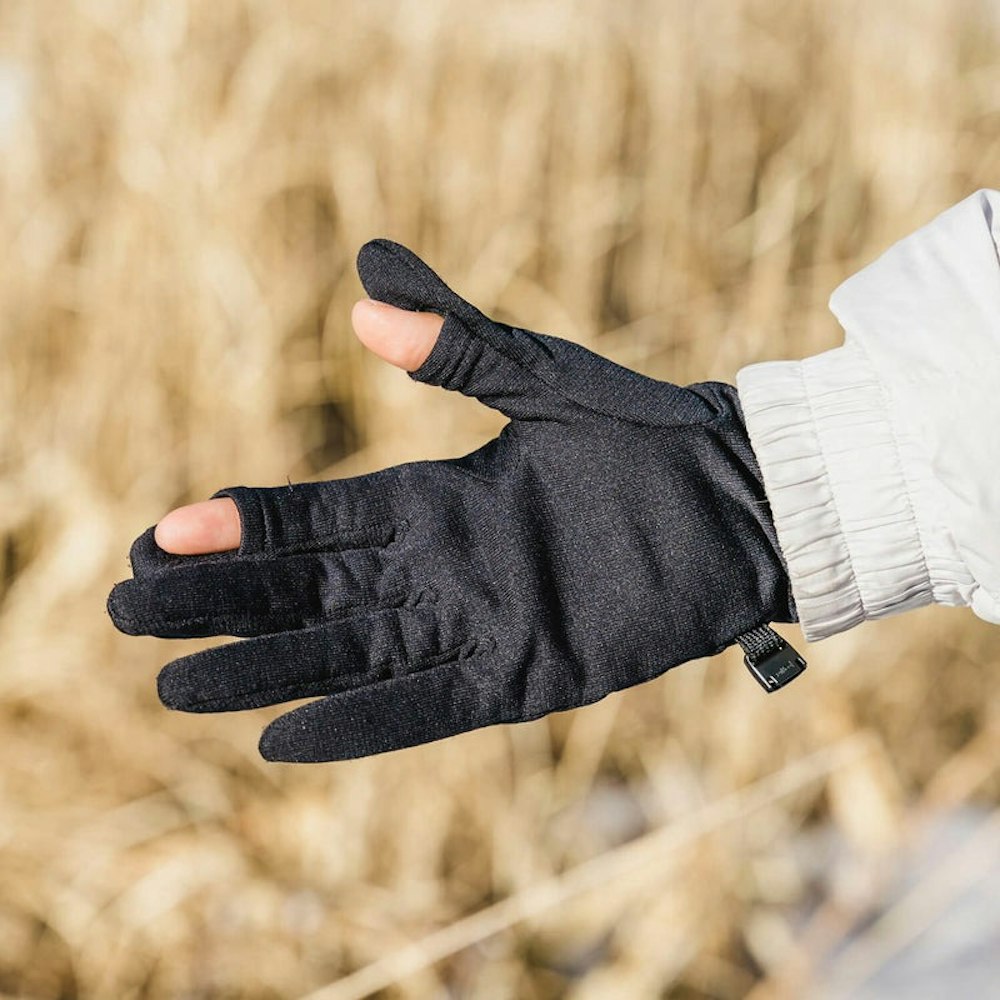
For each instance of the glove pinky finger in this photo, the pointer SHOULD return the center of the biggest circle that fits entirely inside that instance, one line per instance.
(430, 705)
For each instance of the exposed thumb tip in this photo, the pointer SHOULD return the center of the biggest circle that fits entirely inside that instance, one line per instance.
(401, 337)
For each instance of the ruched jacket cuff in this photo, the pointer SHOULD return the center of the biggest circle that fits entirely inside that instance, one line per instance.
(845, 513)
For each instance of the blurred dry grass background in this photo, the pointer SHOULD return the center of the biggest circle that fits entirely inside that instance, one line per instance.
(677, 184)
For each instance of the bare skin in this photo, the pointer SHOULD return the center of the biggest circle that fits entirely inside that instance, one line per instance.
(402, 338)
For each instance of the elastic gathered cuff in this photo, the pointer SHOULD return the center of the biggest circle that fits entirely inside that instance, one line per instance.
(842, 506)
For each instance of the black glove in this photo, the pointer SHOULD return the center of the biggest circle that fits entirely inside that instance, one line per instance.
(616, 528)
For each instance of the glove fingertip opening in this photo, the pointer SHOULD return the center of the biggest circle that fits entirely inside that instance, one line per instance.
(252, 524)
(441, 366)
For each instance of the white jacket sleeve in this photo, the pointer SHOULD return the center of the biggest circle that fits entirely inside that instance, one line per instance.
(881, 458)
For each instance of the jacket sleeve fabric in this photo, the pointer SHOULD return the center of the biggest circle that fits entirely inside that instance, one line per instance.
(881, 458)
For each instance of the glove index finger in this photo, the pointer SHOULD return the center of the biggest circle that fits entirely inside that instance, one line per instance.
(337, 515)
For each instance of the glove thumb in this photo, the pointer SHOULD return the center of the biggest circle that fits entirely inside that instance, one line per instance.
(522, 374)
(500, 366)
(391, 273)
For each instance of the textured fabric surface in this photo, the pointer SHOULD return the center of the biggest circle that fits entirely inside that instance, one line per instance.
(835, 480)
(880, 457)
(616, 528)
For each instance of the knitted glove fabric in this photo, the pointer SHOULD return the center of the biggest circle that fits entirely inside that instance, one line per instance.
(617, 527)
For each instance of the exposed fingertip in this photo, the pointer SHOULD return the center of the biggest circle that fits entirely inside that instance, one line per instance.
(399, 336)
(164, 534)
(200, 528)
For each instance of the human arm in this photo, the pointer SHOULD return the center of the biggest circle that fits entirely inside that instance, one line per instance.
(878, 457)
(881, 458)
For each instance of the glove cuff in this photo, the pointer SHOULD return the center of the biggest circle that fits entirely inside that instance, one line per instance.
(852, 504)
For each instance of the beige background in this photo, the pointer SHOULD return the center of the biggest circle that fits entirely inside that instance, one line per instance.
(679, 185)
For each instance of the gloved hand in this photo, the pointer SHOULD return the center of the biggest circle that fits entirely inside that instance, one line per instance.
(616, 528)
